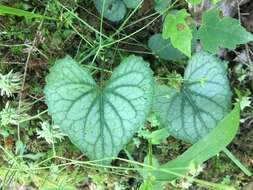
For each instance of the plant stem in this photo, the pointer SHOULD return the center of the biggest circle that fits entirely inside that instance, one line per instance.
(33, 117)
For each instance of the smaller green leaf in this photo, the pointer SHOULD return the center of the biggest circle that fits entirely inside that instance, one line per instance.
(161, 5)
(226, 32)
(158, 136)
(204, 149)
(132, 4)
(114, 10)
(177, 29)
(163, 48)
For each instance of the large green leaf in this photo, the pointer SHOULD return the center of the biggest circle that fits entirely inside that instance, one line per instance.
(99, 119)
(216, 32)
(203, 100)
(207, 147)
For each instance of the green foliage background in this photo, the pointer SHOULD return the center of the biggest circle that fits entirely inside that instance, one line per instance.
(36, 153)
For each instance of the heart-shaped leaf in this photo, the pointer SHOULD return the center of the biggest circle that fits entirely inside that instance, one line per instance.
(203, 100)
(99, 120)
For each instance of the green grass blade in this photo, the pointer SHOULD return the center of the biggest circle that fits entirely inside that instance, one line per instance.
(18, 12)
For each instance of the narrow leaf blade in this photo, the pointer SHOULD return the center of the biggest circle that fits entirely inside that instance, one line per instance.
(19, 12)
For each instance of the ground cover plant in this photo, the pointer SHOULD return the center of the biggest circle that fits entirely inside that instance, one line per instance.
(122, 94)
